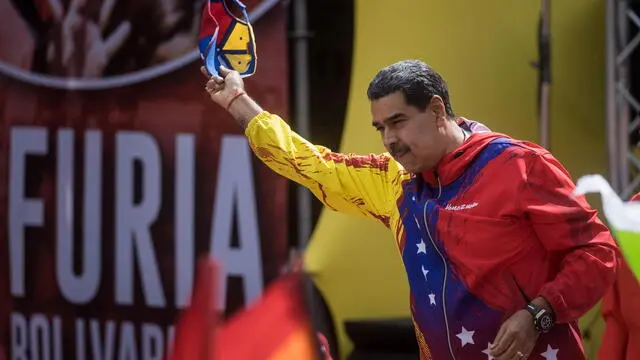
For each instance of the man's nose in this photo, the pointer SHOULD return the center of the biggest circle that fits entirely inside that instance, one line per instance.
(389, 138)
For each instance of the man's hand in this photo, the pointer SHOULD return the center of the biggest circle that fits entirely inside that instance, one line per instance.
(224, 89)
(516, 338)
(228, 90)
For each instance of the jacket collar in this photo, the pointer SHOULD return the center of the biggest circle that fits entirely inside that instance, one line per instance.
(452, 165)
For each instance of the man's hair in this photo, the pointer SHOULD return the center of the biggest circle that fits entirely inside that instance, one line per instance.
(417, 81)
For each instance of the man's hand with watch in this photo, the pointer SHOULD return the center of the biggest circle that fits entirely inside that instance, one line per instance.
(543, 317)
(518, 335)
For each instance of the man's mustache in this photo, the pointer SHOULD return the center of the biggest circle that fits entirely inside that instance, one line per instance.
(397, 149)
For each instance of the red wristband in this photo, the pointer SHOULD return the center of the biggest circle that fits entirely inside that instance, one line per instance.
(234, 97)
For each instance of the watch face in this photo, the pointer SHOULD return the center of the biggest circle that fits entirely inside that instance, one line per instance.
(546, 322)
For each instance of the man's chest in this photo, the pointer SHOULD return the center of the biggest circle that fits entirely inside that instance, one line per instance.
(461, 219)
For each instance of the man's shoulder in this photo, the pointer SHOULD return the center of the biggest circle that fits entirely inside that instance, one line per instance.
(520, 147)
(515, 158)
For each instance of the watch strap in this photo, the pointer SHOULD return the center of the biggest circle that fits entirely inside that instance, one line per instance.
(533, 309)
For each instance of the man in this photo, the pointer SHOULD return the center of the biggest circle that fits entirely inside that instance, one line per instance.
(621, 312)
(501, 259)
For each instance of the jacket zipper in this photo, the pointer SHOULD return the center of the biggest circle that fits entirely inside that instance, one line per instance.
(444, 263)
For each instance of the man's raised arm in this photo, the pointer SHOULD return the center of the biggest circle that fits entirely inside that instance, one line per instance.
(353, 184)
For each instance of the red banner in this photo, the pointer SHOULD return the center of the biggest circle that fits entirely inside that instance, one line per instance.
(117, 171)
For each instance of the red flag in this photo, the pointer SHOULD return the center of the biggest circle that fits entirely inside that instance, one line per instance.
(198, 322)
(275, 328)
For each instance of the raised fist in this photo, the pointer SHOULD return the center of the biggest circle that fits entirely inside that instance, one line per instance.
(224, 88)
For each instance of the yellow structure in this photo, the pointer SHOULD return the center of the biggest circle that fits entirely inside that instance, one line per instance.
(484, 50)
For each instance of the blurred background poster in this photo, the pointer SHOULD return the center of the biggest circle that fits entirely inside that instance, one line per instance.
(117, 172)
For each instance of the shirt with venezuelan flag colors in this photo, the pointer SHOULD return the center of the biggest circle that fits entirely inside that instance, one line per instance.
(492, 227)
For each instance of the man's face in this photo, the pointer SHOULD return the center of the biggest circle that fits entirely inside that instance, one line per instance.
(413, 137)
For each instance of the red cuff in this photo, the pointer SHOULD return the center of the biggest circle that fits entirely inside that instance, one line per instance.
(557, 303)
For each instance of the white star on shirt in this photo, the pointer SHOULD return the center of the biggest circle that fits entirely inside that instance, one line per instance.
(424, 272)
(551, 353)
(466, 336)
(487, 352)
(432, 299)
(422, 247)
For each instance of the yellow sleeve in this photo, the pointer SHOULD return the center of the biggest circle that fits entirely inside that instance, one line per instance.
(352, 184)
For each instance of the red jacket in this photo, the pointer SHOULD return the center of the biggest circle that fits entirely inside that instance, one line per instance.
(621, 312)
(506, 228)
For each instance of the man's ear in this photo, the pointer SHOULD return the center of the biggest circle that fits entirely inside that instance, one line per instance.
(437, 109)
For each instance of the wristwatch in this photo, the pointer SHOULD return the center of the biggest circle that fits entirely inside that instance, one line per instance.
(543, 319)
